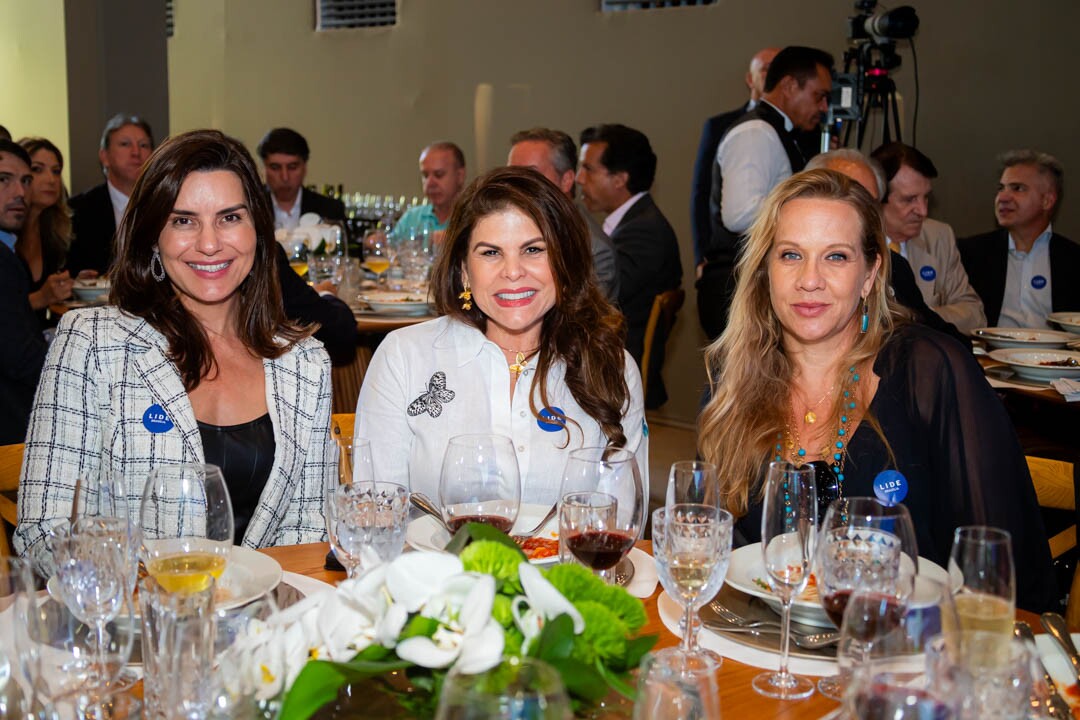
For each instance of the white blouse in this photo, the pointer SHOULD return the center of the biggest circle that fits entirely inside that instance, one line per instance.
(430, 382)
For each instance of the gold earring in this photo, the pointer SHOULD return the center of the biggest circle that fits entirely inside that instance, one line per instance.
(466, 295)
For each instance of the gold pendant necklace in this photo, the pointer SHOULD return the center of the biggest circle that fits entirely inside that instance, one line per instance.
(811, 417)
(521, 359)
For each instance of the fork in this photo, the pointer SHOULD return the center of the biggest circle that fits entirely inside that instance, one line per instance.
(808, 641)
(730, 616)
(518, 537)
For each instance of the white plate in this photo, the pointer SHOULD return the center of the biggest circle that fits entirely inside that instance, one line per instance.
(1004, 337)
(1057, 664)
(92, 290)
(397, 303)
(747, 564)
(1069, 321)
(1028, 363)
(425, 533)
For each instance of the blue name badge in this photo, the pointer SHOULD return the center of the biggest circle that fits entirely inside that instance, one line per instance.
(927, 273)
(890, 487)
(155, 420)
(1038, 282)
(549, 420)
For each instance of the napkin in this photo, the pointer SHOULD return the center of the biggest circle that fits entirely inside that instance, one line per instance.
(643, 583)
(1069, 388)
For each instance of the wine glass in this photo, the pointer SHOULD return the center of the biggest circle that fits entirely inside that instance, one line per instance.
(187, 524)
(601, 508)
(674, 685)
(297, 249)
(693, 481)
(365, 519)
(864, 545)
(692, 547)
(788, 535)
(377, 258)
(986, 600)
(480, 482)
(107, 497)
(519, 687)
(20, 663)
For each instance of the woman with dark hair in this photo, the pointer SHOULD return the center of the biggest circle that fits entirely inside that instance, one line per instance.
(46, 234)
(527, 346)
(819, 365)
(195, 361)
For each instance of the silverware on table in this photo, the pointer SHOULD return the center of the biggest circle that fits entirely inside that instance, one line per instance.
(540, 526)
(1055, 625)
(809, 641)
(425, 505)
(733, 618)
(1054, 704)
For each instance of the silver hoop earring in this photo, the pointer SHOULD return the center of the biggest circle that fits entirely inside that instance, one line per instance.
(157, 269)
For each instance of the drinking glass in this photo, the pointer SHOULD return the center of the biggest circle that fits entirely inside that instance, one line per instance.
(674, 685)
(992, 679)
(885, 696)
(297, 249)
(520, 688)
(186, 520)
(987, 597)
(601, 508)
(366, 523)
(692, 547)
(866, 546)
(693, 481)
(19, 660)
(480, 482)
(788, 535)
(107, 497)
(378, 258)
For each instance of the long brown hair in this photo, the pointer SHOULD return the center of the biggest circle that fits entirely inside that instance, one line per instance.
(260, 314)
(54, 222)
(582, 330)
(749, 373)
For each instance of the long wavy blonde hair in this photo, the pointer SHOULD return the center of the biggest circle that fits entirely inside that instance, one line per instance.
(749, 372)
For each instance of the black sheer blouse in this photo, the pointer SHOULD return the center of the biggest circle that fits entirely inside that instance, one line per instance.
(955, 445)
(245, 454)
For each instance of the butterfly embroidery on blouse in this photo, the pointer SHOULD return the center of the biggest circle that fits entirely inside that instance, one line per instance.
(431, 401)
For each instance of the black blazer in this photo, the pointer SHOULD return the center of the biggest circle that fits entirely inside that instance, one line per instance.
(986, 259)
(326, 208)
(93, 227)
(22, 353)
(337, 325)
(648, 262)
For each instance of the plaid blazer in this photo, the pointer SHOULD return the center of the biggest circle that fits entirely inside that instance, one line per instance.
(104, 372)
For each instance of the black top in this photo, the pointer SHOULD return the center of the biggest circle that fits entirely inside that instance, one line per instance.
(93, 226)
(22, 352)
(955, 445)
(245, 454)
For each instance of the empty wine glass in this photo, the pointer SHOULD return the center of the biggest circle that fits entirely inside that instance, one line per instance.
(674, 685)
(20, 663)
(693, 481)
(480, 482)
(516, 689)
(601, 507)
(788, 535)
(866, 546)
(986, 600)
(692, 547)
(187, 522)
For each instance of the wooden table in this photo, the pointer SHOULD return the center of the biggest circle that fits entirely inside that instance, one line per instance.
(737, 697)
(368, 323)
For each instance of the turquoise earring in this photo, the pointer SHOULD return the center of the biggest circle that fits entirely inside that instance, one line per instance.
(865, 321)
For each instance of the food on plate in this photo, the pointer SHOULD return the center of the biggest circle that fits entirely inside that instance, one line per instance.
(1066, 362)
(810, 594)
(538, 548)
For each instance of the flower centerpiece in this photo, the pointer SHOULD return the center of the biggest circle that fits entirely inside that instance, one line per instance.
(427, 612)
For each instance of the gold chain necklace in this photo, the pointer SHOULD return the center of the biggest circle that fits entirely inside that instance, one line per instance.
(521, 358)
(811, 417)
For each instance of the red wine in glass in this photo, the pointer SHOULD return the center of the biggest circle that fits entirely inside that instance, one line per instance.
(878, 613)
(600, 549)
(496, 521)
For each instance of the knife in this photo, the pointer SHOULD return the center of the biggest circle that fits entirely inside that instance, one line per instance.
(1055, 625)
(1056, 704)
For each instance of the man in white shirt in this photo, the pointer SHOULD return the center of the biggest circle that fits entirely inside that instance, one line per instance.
(616, 169)
(1024, 271)
(285, 154)
(928, 245)
(126, 144)
(758, 152)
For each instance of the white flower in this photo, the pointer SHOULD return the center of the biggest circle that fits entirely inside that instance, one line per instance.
(414, 577)
(543, 602)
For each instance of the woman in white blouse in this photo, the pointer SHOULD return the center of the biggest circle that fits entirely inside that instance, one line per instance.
(527, 346)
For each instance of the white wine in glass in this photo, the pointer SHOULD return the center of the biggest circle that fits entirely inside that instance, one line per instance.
(187, 526)
(987, 598)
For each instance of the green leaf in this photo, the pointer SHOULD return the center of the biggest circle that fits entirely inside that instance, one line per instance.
(616, 682)
(636, 649)
(419, 626)
(556, 639)
(581, 680)
(479, 531)
(317, 684)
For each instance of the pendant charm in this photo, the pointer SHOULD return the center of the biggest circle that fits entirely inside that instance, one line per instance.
(810, 417)
(519, 364)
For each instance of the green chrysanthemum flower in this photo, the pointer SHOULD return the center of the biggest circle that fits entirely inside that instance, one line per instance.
(605, 634)
(501, 611)
(577, 584)
(495, 559)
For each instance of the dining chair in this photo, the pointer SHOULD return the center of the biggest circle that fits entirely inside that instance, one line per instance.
(665, 307)
(1055, 487)
(341, 426)
(347, 379)
(11, 457)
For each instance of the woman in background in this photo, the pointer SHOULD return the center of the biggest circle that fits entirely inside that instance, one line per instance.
(46, 234)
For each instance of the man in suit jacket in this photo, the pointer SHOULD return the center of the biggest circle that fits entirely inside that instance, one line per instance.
(22, 352)
(126, 144)
(284, 154)
(615, 173)
(553, 154)
(1024, 270)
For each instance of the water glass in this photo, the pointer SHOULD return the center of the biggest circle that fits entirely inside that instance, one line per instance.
(995, 680)
(674, 685)
(480, 482)
(885, 696)
(693, 481)
(177, 650)
(366, 523)
(520, 688)
(19, 660)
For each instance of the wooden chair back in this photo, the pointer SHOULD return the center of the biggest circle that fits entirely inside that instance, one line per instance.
(665, 307)
(11, 457)
(1055, 487)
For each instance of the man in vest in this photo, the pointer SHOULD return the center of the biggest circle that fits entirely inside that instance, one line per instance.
(757, 152)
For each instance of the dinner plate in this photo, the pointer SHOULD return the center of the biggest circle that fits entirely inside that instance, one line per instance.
(1057, 664)
(1031, 364)
(747, 570)
(425, 533)
(1030, 338)
(1069, 321)
(95, 290)
(248, 575)
(397, 303)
